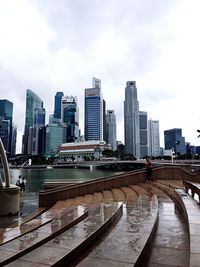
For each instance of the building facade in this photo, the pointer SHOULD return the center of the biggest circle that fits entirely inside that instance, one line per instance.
(154, 138)
(79, 151)
(57, 105)
(55, 137)
(143, 134)
(33, 102)
(131, 120)
(7, 129)
(70, 117)
(111, 129)
(93, 114)
(174, 140)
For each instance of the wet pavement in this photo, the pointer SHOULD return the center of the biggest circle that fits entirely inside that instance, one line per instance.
(121, 245)
(28, 204)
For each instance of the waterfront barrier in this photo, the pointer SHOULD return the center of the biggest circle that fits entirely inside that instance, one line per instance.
(51, 196)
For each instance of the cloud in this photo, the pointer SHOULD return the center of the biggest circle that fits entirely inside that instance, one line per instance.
(51, 46)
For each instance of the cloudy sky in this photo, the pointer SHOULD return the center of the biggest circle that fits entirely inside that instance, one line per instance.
(59, 45)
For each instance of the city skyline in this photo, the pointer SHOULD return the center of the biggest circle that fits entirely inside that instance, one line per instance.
(50, 46)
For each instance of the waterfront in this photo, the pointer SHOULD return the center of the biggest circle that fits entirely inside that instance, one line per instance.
(35, 179)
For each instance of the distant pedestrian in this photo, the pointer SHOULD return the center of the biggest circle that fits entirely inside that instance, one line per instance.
(23, 184)
(148, 167)
(19, 181)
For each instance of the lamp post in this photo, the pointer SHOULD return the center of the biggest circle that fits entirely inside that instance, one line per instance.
(172, 155)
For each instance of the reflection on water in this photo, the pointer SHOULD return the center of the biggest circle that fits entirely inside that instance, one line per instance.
(36, 178)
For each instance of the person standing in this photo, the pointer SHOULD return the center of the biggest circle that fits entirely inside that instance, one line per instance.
(148, 167)
(23, 184)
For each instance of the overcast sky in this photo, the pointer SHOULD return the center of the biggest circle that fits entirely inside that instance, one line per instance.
(59, 45)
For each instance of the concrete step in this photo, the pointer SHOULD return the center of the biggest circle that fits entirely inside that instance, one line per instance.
(127, 243)
(21, 245)
(65, 248)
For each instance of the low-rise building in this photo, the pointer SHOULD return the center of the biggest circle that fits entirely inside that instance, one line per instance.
(78, 151)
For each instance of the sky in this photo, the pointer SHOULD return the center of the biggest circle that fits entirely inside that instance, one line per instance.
(49, 46)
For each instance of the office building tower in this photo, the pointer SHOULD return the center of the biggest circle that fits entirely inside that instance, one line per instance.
(36, 144)
(57, 108)
(104, 120)
(131, 120)
(93, 114)
(154, 138)
(96, 83)
(33, 102)
(70, 117)
(55, 137)
(143, 134)
(6, 126)
(174, 140)
(111, 129)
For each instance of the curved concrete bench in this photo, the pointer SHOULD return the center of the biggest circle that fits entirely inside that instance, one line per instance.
(191, 214)
(194, 187)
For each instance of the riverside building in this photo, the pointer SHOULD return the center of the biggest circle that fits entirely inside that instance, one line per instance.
(94, 112)
(131, 120)
(81, 150)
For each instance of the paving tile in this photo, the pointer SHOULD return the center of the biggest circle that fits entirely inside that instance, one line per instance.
(170, 257)
(94, 262)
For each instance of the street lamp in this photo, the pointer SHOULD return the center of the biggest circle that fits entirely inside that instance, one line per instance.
(172, 155)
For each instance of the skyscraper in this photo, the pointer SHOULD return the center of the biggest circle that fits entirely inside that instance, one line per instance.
(111, 129)
(94, 112)
(57, 108)
(6, 125)
(70, 117)
(143, 134)
(131, 120)
(33, 102)
(37, 133)
(174, 139)
(153, 138)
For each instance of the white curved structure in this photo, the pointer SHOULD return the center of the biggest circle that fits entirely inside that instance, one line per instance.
(9, 194)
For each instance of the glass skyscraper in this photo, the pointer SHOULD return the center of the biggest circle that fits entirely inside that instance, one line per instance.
(70, 117)
(143, 134)
(57, 110)
(154, 138)
(93, 114)
(131, 120)
(174, 139)
(6, 126)
(111, 129)
(33, 102)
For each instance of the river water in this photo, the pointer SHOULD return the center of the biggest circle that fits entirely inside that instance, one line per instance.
(35, 179)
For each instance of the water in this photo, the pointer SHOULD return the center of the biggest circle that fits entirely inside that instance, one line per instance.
(35, 178)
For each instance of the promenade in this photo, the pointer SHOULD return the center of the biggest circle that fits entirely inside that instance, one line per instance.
(116, 221)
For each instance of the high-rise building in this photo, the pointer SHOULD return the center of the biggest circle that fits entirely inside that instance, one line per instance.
(111, 129)
(104, 120)
(143, 134)
(55, 136)
(93, 112)
(174, 140)
(57, 108)
(6, 126)
(37, 133)
(33, 102)
(131, 120)
(153, 138)
(70, 117)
